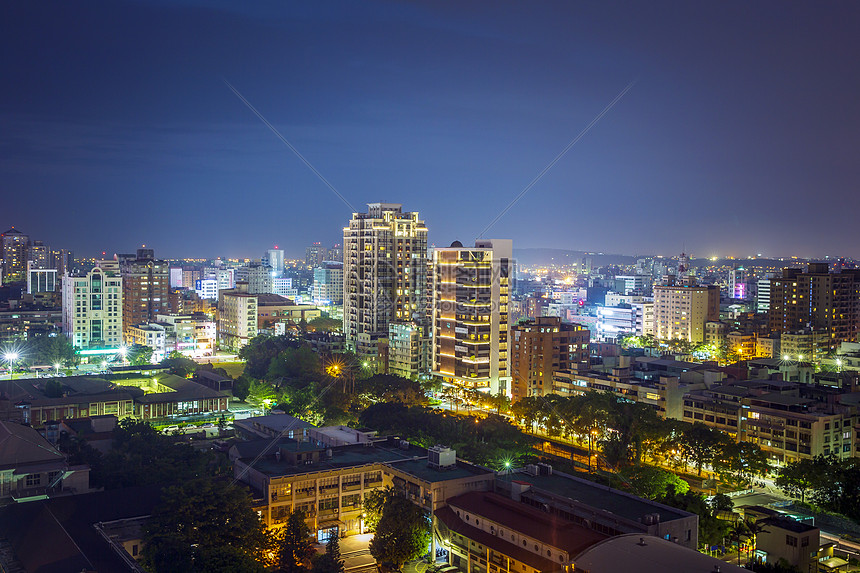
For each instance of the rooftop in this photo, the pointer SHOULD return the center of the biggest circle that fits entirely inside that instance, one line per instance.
(22, 445)
(788, 524)
(342, 457)
(421, 470)
(647, 554)
(182, 389)
(597, 496)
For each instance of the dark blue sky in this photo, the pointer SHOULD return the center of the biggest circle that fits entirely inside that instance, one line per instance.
(741, 135)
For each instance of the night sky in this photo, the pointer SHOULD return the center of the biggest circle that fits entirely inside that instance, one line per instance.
(740, 136)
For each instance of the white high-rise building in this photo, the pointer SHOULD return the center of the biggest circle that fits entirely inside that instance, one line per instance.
(276, 260)
(237, 317)
(384, 271)
(471, 294)
(92, 309)
(328, 284)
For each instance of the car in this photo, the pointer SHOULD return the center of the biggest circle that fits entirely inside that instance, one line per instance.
(169, 429)
(207, 425)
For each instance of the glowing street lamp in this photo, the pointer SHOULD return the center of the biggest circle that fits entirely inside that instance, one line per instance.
(57, 369)
(11, 357)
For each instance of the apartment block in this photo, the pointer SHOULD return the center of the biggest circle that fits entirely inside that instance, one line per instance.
(237, 317)
(541, 347)
(93, 309)
(145, 285)
(471, 294)
(681, 310)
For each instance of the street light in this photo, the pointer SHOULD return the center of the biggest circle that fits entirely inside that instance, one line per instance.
(57, 369)
(11, 357)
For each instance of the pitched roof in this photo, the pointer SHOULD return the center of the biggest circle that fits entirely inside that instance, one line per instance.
(22, 445)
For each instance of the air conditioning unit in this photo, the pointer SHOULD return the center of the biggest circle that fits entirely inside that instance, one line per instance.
(532, 469)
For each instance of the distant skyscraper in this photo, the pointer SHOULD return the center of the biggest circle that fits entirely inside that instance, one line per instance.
(817, 300)
(738, 283)
(315, 254)
(328, 284)
(335, 253)
(62, 260)
(93, 309)
(471, 294)
(146, 287)
(259, 278)
(276, 260)
(384, 269)
(38, 254)
(176, 277)
(15, 245)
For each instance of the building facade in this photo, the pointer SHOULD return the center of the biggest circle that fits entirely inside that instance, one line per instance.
(471, 294)
(237, 317)
(145, 287)
(541, 347)
(384, 270)
(93, 309)
(682, 309)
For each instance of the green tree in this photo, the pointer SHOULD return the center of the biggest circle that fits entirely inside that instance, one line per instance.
(739, 462)
(52, 350)
(297, 366)
(700, 444)
(330, 561)
(293, 547)
(209, 520)
(260, 351)
(139, 355)
(402, 534)
(242, 387)
(53, 388)
(653, 483)
(325, 324)
(796, 479)
(179, 364)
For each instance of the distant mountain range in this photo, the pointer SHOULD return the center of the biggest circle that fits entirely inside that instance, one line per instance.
(547, 256)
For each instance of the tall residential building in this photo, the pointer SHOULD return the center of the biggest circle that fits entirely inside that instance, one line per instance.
(471, 294)
(276, 260)
(682, 309)
(817, 300)
(335, 253)
(237, 317)
(762, 297)
(258, 276)
(328, 284)
(14, 254)
(38, 254)
(404, 349)
(384, 271)
(542, 347)
(315, 254)
(146, 287)
(93, 309)
(61, 260)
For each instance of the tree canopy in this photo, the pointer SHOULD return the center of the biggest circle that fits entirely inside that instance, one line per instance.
(402, 533)
(204, 525)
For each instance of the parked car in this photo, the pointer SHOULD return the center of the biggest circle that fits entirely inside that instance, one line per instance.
(170, 429)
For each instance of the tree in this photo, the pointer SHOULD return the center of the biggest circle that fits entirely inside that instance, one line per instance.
(740, 462)
(55, 349)
(402, 534)
(139, 355)
(260, 351)
(325, 324)
(330, 561)
(293, 547)
(654, 483)
(242, 387)
(179, 364)
(795, 479)
(299, 366)
(700, 445)
(53, 388)
(210, 521)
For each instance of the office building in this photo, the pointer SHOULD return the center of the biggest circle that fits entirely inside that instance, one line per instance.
(335, 253)
(276, 260)
(151, 335)
(283, 286)
(817, 300)
(146, 287)
(258, 276)
(541, 347)
(471, 294)
(327, 289)
(40, 279)
(385, 265)
(93, 309)
(315, 254)
(405, 349)
(38, 254)
(61, 260)
(237, 317)
(681, 310)
(14, 244)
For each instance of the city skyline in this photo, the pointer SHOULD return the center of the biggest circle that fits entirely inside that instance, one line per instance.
(735, 139)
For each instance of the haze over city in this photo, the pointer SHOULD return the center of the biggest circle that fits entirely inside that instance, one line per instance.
(739, 136)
